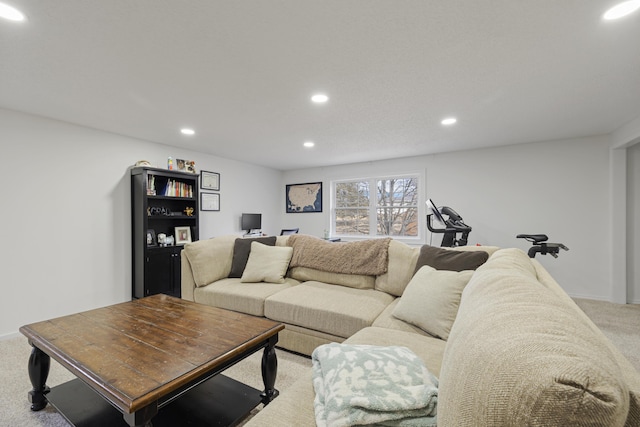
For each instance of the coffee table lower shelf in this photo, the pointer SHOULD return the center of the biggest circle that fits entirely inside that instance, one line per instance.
(219, 401)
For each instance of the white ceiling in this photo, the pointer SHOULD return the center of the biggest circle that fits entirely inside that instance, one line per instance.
(241, 73)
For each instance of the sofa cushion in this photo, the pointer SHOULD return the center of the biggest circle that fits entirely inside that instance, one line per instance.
(402, 263)
(431, 300)
(387, 320)
(232, 294)
(526, 356)
(490, 250)
(266, 264)
(429, 349)
(241, 250)
(210, 259)
(332, 309)
(632, 378)
(357, 281)
(447, 259)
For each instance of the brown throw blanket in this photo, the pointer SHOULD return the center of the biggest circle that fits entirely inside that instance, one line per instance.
(368, 257)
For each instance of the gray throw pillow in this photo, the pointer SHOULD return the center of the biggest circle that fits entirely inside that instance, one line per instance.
(241, 250)
(447, 259)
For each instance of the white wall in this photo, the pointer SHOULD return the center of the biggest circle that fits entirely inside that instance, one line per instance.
(633, 226)
(559, 188)
(66, 223)
(66, 212)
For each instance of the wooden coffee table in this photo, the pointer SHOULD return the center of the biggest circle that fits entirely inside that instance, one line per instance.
(157, 357)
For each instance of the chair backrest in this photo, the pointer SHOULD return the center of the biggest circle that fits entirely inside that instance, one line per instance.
(286, 231)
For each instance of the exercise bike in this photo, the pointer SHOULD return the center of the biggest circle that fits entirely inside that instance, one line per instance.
(539, 245)
(453, 225)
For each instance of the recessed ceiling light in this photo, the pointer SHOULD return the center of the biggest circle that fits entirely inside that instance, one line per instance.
(621, 9)
(319, 98)
(187, 131)
(449, 121)
(11, 13)
(309, 144)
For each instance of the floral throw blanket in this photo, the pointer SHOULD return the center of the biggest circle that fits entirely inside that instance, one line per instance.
(365, 385)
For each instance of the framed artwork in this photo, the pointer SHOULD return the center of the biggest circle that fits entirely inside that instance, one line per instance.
(210, 180)
(183, 235)
(151, 238)
(303, 198)
(210, 201)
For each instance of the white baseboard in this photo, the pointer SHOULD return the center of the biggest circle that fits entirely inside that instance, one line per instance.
(10, 336)
(598, 298)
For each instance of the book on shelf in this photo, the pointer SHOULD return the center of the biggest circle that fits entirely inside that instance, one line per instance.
(177, 189)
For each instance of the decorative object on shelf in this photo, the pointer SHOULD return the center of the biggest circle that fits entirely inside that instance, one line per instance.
(170, 241)
(162, 239)
(186, 165)
(210, 180)
(151, 185)
(143, 163)
(183, 235)
(209, 201)
(188, 211)
(154, 211)
(170, 163)
(302, 198)
(151, 238)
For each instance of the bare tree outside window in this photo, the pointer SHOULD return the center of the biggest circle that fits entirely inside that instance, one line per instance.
(397, 207)
(352, 208)
(393, 211)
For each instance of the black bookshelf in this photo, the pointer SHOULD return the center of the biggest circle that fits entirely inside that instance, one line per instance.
(161, 200)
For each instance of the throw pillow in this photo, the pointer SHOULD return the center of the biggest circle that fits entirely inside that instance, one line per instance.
(267, 263)
(431, 300)
(241, 250)
(447, 259)
(200, 253)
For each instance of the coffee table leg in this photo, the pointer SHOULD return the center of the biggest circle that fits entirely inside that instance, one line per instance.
(39, 363)
(269, 371)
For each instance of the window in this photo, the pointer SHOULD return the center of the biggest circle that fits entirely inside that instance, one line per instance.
(381, 206)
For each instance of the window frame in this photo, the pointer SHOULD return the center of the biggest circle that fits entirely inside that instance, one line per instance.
(373, 206)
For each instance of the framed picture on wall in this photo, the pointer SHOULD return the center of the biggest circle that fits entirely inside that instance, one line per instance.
(210, 201)
(302, 198)
(210, 180)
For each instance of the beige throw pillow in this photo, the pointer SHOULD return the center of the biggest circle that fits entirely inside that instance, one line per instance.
(431, 300)
(210, 259)
(267, 263)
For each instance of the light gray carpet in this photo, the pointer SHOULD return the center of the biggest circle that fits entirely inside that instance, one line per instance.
(620, 323)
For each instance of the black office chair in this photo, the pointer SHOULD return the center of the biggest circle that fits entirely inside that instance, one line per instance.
(286, 231)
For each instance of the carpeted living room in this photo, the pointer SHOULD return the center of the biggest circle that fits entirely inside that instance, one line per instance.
(188, 183)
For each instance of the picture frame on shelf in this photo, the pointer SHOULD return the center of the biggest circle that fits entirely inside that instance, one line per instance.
(151, 238)
(183, 235)
(209, 180)
(210, 202)
(188, 166)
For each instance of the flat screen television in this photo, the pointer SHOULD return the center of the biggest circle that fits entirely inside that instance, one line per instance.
(251, 221)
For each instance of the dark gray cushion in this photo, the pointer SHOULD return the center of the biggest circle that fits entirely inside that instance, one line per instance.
(241, 250)
(447, 259)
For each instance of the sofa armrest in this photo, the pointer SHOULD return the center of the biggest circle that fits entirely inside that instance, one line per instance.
(187, 282)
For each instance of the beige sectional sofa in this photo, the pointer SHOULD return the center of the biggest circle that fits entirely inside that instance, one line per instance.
(510, 347)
